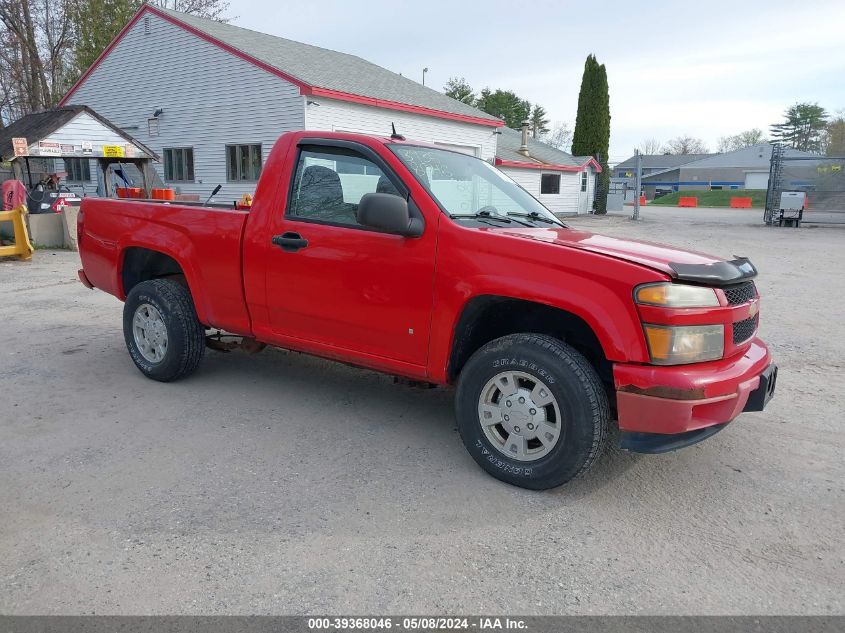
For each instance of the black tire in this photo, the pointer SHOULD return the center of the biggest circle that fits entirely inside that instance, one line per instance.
(574, 384)
(185, 334)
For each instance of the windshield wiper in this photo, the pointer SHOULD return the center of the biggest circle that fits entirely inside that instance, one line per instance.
(534, 215)
(483, 215)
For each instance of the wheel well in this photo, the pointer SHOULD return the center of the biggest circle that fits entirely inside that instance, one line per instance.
(143, 264)
(487, 318)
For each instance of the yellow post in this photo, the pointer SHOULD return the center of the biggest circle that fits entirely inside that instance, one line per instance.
(22, 247)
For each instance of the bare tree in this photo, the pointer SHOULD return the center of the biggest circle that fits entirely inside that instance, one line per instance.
(650, 146)
(35, 46)
(685, 145)
(754, 136)
(560, 136)
(211, 9)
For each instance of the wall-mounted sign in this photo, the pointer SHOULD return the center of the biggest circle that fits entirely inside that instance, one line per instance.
(68, 149)
(114, 151)
(87, 147)
(48, 148)
(21, 146)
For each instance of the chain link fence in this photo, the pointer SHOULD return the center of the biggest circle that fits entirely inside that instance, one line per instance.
(821, 179)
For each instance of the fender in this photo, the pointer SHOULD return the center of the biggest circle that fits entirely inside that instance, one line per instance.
(591, 286)
(180, 250)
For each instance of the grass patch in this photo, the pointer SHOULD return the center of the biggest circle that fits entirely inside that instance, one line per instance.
(717, 198)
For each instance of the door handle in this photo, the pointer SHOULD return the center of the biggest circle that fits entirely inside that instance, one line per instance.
(290, 242)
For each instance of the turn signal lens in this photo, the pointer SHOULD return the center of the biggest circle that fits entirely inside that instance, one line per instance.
(680, 345)
(671, 295)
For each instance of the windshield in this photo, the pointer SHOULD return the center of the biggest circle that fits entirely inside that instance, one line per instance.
(465, 186)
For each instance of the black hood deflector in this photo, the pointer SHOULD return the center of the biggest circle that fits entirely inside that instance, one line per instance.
(717, 274)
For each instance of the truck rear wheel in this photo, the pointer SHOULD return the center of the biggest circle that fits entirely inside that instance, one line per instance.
(531, 411)
(165, 339)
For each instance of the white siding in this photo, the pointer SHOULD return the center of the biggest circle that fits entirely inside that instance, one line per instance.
(341, 116)
(564, 202)
(210, 98)
(84, 127)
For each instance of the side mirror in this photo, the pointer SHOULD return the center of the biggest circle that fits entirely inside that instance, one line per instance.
(389, 213)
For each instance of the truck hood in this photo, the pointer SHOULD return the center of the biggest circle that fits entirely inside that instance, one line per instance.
(678, 263)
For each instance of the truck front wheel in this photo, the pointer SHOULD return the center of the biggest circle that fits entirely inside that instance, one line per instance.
(531, 411)
(164, 337)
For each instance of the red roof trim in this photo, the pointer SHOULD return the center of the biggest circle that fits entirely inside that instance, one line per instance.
(548, 167)
(304, 88)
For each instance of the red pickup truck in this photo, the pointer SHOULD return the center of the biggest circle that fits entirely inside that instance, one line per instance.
(429, 264)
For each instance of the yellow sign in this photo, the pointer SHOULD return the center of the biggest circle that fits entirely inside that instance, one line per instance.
(113, 151)
(836, 168)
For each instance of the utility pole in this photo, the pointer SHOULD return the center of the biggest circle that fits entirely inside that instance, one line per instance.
(639, 181)
(425, 70)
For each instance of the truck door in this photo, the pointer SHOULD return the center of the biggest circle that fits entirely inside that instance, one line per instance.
(334, 282)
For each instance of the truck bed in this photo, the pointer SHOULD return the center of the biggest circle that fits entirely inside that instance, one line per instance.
(205, 241)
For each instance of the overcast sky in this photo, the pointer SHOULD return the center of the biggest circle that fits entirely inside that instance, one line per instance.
(706, 69)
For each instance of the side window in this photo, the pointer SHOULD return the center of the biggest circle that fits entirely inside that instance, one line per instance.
(584, 180)
(550, 183)
(330, 182)
(78, 169)
(179, 164)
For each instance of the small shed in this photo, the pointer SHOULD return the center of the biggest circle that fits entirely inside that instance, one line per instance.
(70, 140)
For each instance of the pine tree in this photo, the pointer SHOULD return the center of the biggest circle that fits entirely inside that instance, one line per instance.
(803, 127)
(539, 121)
(592, 124)
(506, 105)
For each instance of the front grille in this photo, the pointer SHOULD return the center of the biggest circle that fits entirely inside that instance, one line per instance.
(744, 330)
(740, 293)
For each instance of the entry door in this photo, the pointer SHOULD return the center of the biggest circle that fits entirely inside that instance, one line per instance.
(342, 284)
(584, 200)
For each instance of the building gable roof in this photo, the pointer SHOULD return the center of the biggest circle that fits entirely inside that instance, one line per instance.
(661, 161)
(39, 125)
(540, 155)
(316, 71)
(753, 157)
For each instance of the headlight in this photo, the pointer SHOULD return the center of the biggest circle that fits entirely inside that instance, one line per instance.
(678, 345)
(669, 295)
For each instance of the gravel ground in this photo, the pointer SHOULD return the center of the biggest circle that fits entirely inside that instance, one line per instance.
(289, 485)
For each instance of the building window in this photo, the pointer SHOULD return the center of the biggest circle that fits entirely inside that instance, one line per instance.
(78, 169)
(584, 180)
(179, 164)
(243, 163)
(550, 183)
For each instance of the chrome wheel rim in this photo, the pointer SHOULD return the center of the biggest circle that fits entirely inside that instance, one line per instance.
(150, 333)
(519, 415)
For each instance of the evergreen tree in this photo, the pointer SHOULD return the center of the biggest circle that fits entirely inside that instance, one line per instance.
(538, 121)
(506, 105)
(592, 124)
(803, 128)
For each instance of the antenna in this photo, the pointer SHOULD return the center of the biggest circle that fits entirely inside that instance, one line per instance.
(395, 136)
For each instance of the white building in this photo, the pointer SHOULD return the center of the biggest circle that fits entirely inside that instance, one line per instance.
(211, 99)
(562, 182)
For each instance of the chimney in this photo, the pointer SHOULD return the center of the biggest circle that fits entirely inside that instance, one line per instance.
(523, 149)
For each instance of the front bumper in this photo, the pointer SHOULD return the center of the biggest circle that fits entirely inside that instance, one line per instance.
(687, 399)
